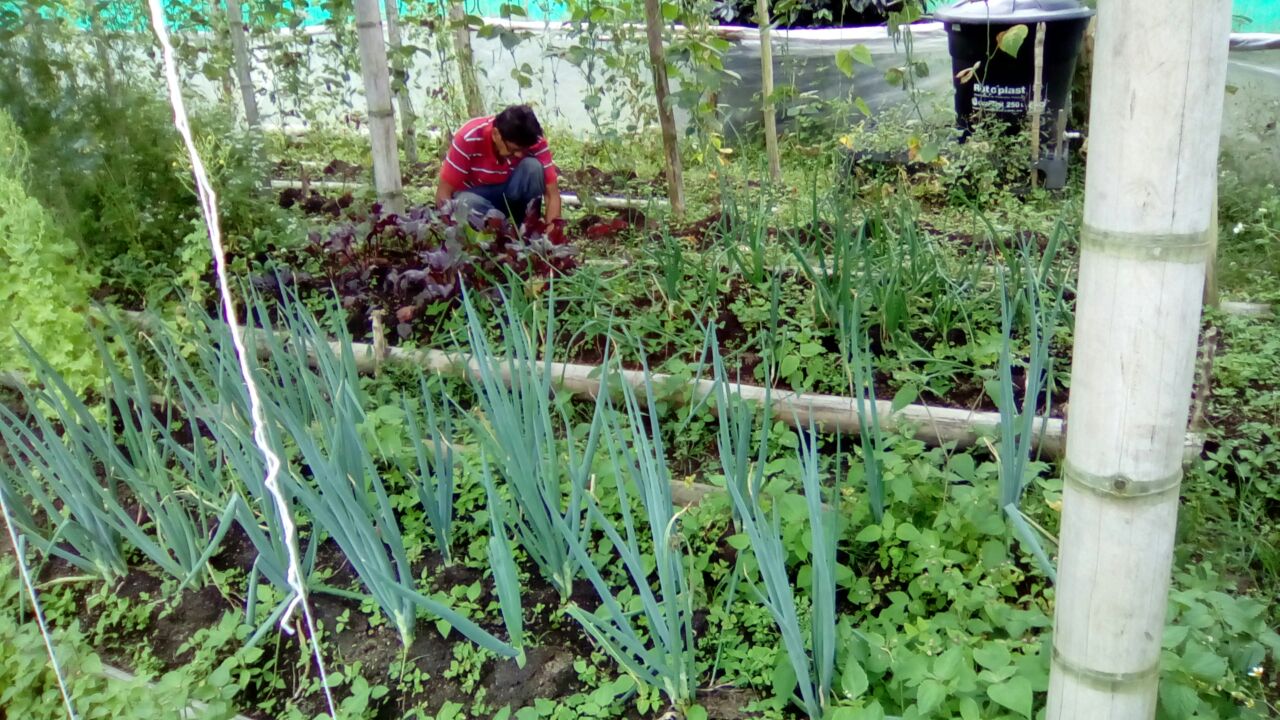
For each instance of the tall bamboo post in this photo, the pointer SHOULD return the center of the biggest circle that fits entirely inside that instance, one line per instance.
(466, 60)
(764, 20)
(382, 119)
(407, 117)
(670, 141)
(1156, 117)
(240, 55)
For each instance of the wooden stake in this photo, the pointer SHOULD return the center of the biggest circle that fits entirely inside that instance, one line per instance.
(1212, 298)
(1037, 104)
(763, 20)
(219, 16)
(670, 141)
(240, 55)
(382, 119)
(101, 48)
(38, 50)
(466, 60)
(407, 117)
(1156, 122)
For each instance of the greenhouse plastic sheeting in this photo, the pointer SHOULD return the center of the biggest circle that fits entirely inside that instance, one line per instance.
(1251, 138)
(805, 59)
(1252, 15)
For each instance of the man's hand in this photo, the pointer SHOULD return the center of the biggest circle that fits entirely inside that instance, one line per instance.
(552, 202)
(444, 193)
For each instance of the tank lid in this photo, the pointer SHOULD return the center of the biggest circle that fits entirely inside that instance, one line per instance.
(1012, 11)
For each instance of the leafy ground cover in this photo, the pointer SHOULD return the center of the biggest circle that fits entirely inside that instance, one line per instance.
(483, 549)
(780, 299)
(939, 561)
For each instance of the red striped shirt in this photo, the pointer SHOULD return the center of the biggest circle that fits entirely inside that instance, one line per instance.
(472, 159)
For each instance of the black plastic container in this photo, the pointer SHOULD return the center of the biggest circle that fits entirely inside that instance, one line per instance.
(1002, 84)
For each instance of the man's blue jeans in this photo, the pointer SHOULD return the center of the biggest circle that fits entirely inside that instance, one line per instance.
(526, 184)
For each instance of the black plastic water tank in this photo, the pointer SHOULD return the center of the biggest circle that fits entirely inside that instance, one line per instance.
(1002, 84)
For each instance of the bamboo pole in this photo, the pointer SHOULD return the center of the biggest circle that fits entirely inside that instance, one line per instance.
(377, 90)
(670, 141)
(466, 59)
(1156, 119)
(240, 55)
(763, 20)
(407, 117)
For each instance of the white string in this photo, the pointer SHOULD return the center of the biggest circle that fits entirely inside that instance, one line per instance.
(35, 606)
(209, 207)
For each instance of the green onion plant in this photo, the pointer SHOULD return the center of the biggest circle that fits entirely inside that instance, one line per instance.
(1017, 424)
(206, 379)
(857, 357)
(80, 471)
(519, 427)
(669, 259)
(811, 654)
(346, 497)
(744, 237)
(665, 659)
(434, 477)
(56, 498)
(503, 565)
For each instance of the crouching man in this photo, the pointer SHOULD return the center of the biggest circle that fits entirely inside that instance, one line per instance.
(502, 163)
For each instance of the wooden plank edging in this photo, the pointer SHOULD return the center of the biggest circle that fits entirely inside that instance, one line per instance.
(829, 413)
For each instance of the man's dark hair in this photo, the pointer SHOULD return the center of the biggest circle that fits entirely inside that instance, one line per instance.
(519, 126)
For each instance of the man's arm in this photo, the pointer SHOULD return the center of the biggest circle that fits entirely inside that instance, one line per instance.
(454, 169)
(552, 202)
(550, 177)
(445, 190)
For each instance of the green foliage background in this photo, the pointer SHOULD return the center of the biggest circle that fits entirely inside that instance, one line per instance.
(44, 287)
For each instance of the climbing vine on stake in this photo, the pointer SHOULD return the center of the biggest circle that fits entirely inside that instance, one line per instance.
(670, 142)
(461, 24)
(766, 88)
(399, 61)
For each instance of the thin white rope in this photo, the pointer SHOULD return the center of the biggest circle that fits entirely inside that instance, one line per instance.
(209, 207)
(35, 606)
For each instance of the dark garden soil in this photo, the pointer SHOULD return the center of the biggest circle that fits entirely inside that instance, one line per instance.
(345, 172)
(591, 180)
(585, 180)
(555, 640)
